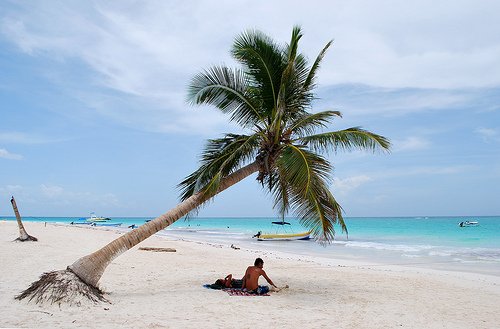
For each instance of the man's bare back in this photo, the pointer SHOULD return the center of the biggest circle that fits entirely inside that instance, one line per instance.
(252, 274)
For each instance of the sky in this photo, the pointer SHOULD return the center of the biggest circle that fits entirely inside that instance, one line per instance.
(94, 117)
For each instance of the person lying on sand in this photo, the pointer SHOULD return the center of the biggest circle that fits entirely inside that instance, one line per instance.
(229, 282)
(251, 278)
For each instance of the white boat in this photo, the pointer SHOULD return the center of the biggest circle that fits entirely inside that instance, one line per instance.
(469, 223)
(93, 218)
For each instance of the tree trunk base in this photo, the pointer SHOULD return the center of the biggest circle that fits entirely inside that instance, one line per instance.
(62, 287)
(29, 238)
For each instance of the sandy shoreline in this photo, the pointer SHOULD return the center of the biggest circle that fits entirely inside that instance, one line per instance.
(164, 290)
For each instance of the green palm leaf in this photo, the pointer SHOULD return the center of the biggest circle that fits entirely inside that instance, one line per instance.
(227, 90)
(347, 140)
(220, 158)
(309, 82)
(320, 212)
(307, 124)
(263, 60)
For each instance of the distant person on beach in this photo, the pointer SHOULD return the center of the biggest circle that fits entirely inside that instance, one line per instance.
(251, 278)
(257, 235)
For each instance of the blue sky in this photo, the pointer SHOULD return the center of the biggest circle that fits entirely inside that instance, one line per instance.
(93, 111)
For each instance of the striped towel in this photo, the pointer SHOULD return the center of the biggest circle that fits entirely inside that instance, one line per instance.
(239, 292)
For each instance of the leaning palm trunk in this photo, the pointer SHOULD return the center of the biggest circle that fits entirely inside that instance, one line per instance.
(89, 269)
(23, 235)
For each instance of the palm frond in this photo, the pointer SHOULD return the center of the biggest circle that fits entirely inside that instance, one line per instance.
(319, 212)
(307, 124)
(309, 82)
(298, 99)
(264, 62)
(298, 166)
(294, 43)
(303, 188)
(227, 90)
(347, 140)
(289, 70)
(220, 157)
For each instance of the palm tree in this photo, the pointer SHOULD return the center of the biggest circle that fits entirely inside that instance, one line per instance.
(270, 96)
(23, 235)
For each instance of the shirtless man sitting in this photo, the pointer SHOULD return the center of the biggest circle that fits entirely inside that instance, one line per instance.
(251, 278)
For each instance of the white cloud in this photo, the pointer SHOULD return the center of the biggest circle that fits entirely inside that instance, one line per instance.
(51, 191)
(59, 195)
(411, 143)
(47, 195)
(12, 190)
(350, 183)
(9, 189)
(10, 156)
(134, 46)
(424, 171)
(488, 134)
(362, 100)
(147, 52)
(24, 138)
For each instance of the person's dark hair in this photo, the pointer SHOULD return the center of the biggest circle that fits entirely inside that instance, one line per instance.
(258, 261)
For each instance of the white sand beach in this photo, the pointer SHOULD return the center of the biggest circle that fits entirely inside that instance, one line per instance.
(164, 289)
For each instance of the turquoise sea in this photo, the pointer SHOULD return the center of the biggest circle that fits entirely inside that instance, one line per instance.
(431, 242)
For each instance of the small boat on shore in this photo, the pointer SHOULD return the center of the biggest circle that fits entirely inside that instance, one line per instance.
(469, 223)
(105, 224)
(283, 236)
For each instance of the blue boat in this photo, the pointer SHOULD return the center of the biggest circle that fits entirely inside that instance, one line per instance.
(81, 223)
(105, 224)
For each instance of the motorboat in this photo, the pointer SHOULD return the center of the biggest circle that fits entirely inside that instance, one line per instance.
(468, 223)
(93, 218)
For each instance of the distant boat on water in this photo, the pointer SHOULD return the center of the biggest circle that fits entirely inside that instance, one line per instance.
(93, 218)
(469, 223)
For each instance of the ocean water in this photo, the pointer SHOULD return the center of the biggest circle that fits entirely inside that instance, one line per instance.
(430, 242)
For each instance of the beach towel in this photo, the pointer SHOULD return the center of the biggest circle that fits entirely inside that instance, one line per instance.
(233, 291)
(213, 286)
(239, 292)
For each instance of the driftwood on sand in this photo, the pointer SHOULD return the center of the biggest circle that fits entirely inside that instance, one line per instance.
(154, 249)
